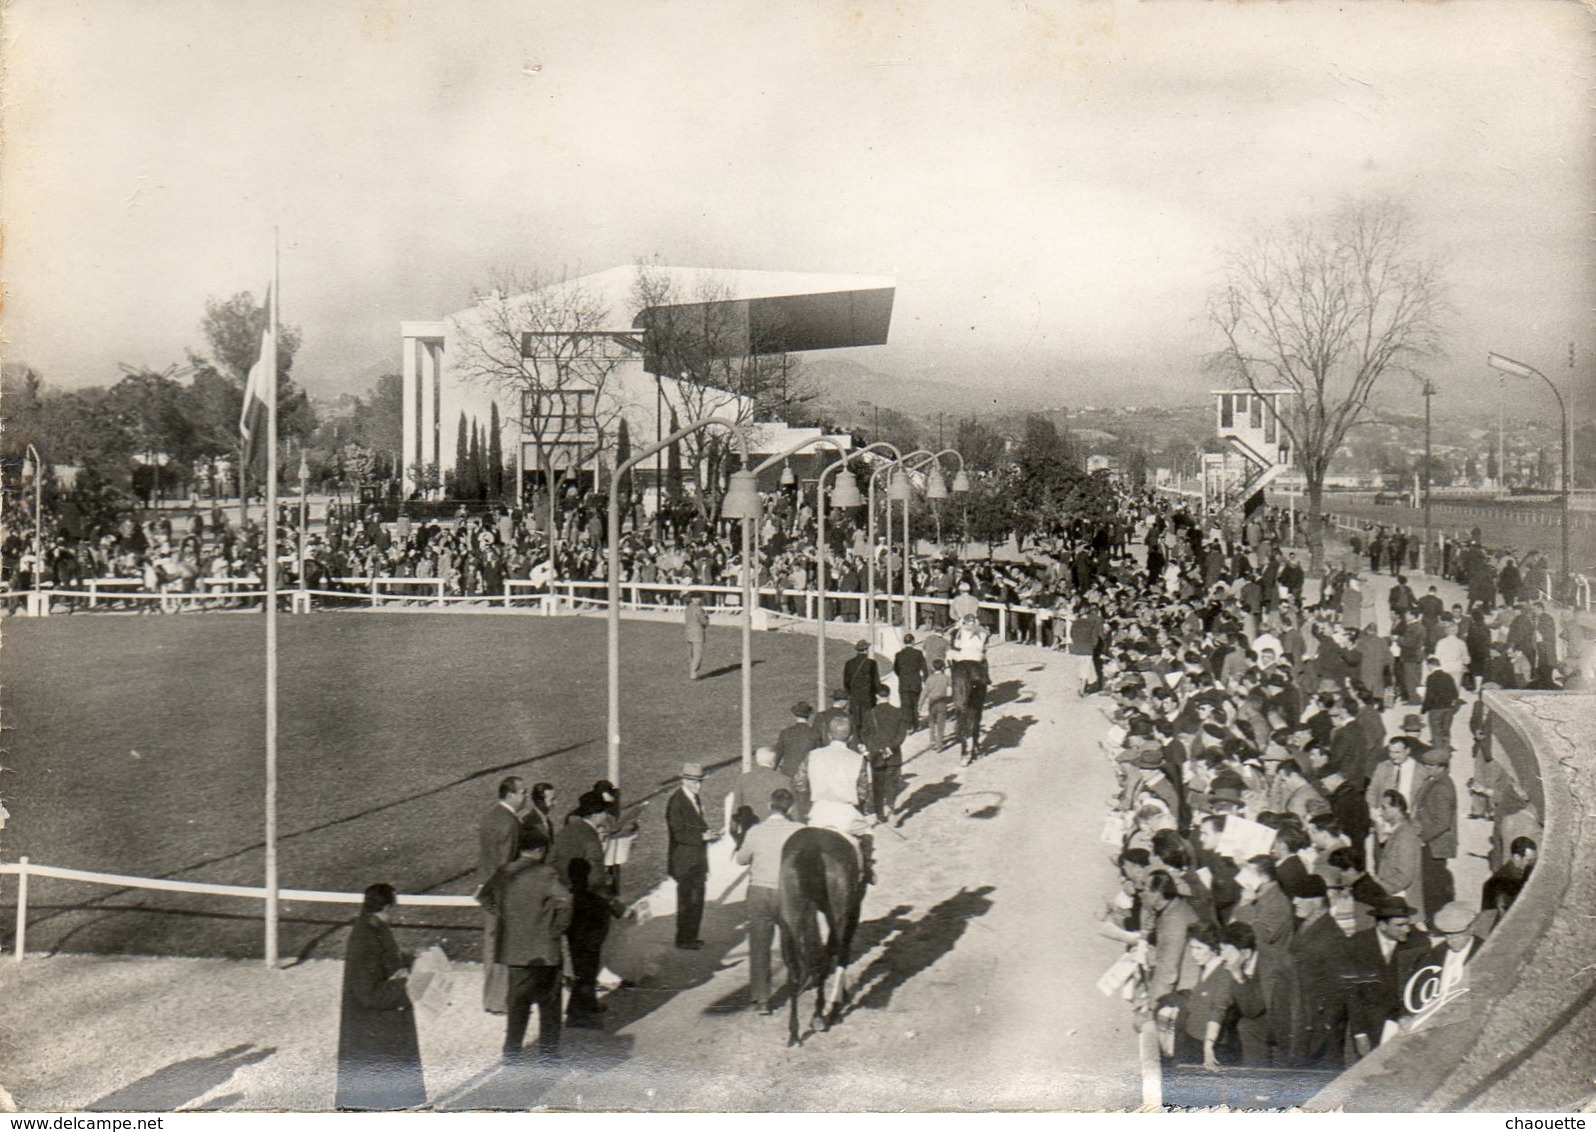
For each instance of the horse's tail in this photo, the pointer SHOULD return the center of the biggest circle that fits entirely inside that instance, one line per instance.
(801, 893)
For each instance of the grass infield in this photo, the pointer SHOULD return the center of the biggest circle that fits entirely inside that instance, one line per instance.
(136, 746)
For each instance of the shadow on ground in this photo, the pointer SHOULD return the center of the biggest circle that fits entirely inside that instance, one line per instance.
(927, 795)
(1007, 733)
(175, 1085)
(911, 946)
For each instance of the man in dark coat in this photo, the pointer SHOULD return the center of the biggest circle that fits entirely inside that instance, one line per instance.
(796, 740)
(688, 855)
(498, 834)
(758, 782)
(1440, 703)
(534, 908)
(1434, 809)
(883, 735)
(1292, 578)
(1318, 961)
(862, 679)
(578, 860)
(911, 670)
(1380, 960)
(379, 1056)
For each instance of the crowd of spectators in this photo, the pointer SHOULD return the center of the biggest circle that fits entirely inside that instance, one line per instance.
(1492, 575)
(1286, 823)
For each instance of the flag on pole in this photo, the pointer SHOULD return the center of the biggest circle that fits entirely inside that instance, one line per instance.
(262, 383)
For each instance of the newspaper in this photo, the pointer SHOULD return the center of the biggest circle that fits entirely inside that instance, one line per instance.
(431, 984)
(1243, 839)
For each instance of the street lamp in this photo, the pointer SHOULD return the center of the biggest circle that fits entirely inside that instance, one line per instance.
(870, 530)
(788, 479)
(898, 490)
(845, 496)
(935, 489)
(742, 503)
(1519, 369)
(614, 587)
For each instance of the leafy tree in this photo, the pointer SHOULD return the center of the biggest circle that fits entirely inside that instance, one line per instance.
(982, 447)
(1325, 308)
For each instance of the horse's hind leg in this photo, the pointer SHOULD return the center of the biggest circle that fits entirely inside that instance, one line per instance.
(838, 997)
(795, 983)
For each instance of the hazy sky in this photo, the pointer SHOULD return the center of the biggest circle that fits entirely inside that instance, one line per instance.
(1053, 184)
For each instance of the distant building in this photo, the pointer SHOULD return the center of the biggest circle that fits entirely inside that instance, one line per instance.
(576, 425)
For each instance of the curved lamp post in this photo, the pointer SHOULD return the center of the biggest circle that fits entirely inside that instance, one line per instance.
(898, 490)
(614, 588)
(1519, 369)
(788, 479)
(844, 497)
(870, 531)
(935, 489)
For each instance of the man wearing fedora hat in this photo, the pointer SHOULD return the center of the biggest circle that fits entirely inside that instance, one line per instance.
(1380, 960)
(862, 679)
(797, 739)
(688, 854)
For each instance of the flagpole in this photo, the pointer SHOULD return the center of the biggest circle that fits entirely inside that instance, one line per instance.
(273, 306)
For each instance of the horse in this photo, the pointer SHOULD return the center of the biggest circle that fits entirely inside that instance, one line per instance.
(820, 877)
(969, 700)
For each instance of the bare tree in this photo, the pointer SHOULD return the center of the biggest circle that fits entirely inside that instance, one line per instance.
(1326, 308)
(550, 346)
(722, 366)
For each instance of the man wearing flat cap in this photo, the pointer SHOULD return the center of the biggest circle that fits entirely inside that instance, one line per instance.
(688, 856)
(1454, 923)
(1435, 813)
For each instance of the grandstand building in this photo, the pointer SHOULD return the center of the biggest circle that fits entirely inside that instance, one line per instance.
(573, 366)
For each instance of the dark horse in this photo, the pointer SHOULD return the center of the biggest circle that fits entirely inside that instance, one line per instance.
(969, 699)
(819, 878)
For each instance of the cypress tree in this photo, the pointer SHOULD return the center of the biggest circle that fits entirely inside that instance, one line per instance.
(475, 482)
(495, 456)
(462, 462)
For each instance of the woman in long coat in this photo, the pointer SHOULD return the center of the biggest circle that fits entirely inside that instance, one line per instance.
(379, 1057)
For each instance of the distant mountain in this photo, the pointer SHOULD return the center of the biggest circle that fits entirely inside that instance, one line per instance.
(850, 389)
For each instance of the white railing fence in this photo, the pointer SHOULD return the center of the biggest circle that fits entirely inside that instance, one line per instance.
(551, 599)
(23, 869)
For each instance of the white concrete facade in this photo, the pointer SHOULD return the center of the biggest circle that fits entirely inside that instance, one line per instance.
(438, 386)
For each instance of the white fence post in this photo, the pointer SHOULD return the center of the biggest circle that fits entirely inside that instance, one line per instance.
(22, 909)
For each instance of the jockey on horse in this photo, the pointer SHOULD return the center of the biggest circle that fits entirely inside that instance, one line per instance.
(967, 657)
(840, 794)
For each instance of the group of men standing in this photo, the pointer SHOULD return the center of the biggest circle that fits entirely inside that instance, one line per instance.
(544, 892)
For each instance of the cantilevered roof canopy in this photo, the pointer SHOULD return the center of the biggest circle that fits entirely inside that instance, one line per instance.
(746, 312)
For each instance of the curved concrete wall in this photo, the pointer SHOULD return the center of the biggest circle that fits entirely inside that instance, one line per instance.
(1522, 1038)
